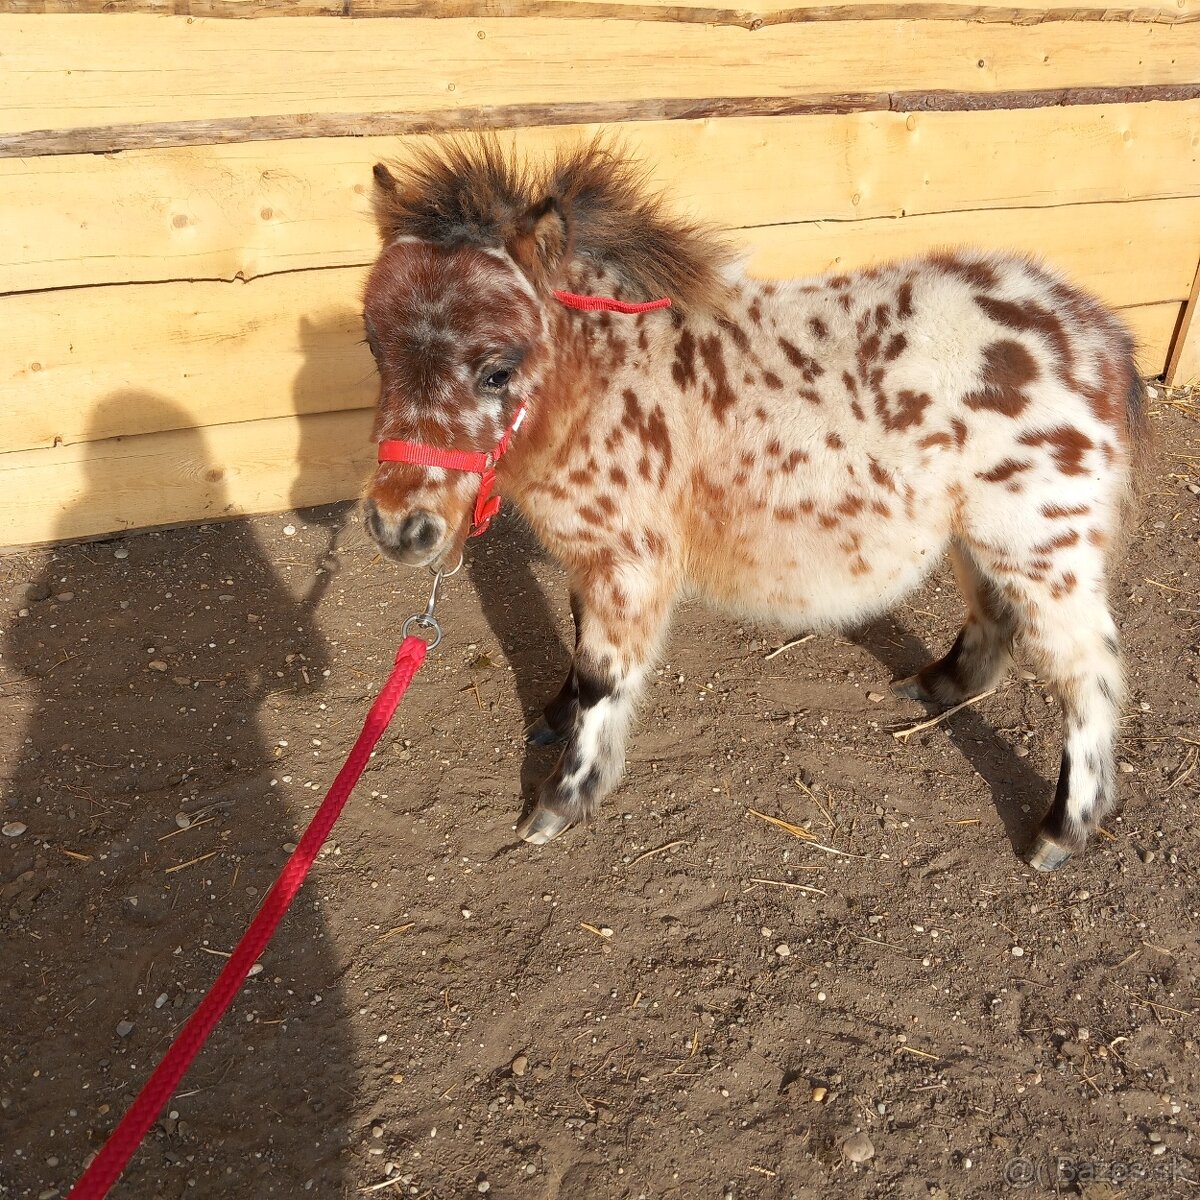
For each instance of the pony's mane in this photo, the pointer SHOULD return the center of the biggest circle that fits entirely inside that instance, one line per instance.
(460, 191)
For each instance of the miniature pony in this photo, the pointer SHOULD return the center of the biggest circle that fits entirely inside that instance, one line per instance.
(801, 453)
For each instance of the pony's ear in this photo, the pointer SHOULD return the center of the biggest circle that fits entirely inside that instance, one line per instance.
(386, 190)
(539, 242)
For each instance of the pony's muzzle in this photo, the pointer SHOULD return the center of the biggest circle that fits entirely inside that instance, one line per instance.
(412, 538)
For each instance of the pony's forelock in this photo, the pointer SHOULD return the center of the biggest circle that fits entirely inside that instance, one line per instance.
(472, 191)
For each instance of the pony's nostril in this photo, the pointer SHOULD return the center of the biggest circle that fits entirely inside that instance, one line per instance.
(419, 532)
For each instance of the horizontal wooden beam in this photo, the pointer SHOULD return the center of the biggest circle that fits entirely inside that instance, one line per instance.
(64, 493)
(106, 139)
(1032, 12)
(140, 79)
(215, 213)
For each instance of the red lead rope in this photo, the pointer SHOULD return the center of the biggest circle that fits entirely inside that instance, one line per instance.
(134, 1125)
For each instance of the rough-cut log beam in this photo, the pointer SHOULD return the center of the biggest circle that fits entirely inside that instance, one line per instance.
(1033, 12)
(101, 139)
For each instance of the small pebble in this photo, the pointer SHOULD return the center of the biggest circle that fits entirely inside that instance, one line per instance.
(1159, 1149)
(183, 820)
(257, 969)
(520, 1065)
(858, 1148)
(156, 664)
(121, 552)
(783, 950)
(14, 828)
(1017, 951)
(1126, 768)
(1021, 751)
(160, 1000)
(34, 592)
(1194, 488)
(483, 1186)
(377, 1130)
(63, 597)
(819, 1094)
(874, 697)
(1147, 856)
(289, 530)
(1155, 1138)
(124, 1028)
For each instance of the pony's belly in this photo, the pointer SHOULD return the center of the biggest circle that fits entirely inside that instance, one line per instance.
(805, 580)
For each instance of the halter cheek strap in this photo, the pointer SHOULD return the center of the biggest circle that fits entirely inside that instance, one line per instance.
(483, 462)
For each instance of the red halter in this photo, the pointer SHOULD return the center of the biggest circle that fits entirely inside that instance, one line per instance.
(483, 462)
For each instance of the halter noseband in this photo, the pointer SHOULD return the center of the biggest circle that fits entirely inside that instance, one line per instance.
(483, 462)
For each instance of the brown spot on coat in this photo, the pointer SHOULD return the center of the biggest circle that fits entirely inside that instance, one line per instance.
(904, 307)
(909, 409)
(736, 333)
(881, 477)
(1003, 470)
(1008, 368)
(772, 380)
(683, 369)
(834, 442)
(819, 329)
(895, 347)
(978, 274)
(1054, 511)
(1067, 444)
(1061, 542)
(716, 390)
(808, 367)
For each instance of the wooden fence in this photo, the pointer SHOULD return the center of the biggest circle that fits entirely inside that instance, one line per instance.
(184, 194)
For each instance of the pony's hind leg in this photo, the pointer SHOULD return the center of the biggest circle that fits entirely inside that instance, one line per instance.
(1072, 642)
(982, 651)
(1064, 627)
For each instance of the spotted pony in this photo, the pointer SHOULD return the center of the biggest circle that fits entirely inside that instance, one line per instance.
(801, 452)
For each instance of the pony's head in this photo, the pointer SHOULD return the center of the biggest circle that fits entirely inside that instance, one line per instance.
(458, 306)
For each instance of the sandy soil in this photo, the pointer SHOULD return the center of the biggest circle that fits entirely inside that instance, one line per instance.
(684, 1000)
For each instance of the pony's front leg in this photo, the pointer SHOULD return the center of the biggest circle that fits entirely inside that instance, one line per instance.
(622, 613)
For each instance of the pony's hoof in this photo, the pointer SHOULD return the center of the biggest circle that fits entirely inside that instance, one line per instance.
(1047, 854)
(542, 825)
(542, 733)
(912, 689)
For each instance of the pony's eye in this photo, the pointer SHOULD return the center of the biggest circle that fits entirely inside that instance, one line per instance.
(494, 381)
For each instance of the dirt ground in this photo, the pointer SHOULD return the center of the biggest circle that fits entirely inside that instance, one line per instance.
(684, 1000)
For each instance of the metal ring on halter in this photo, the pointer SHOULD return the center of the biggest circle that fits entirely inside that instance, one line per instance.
(426, 622)
(443, 574)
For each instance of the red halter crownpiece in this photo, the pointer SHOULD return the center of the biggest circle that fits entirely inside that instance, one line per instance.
(483, 462)
(607, 304)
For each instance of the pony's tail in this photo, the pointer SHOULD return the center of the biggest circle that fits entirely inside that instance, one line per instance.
(1139, 437)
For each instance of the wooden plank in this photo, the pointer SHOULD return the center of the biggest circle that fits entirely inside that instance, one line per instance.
(220, 352)
(769, 13)
(1183, 366)
(286, 343)
(68, 71)
(1100, 245)
(107, 139)
(70, 492)
(240, 211)
(186, 475)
